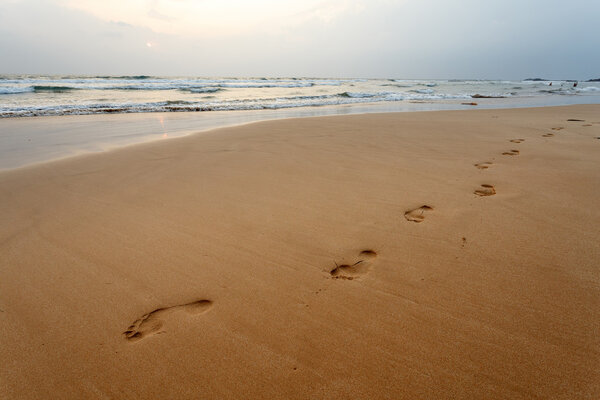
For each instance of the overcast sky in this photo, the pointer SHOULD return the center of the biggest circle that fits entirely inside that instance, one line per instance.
(509, 39)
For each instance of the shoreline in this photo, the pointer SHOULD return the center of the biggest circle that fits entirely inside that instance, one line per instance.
(35, 140)
(450, 254)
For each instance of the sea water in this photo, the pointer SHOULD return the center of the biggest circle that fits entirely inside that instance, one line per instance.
(36, 95)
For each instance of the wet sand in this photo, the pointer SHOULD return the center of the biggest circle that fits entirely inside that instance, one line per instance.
(433, 255)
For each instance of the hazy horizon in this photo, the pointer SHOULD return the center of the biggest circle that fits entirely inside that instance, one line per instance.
(195, 76)
(402, 39)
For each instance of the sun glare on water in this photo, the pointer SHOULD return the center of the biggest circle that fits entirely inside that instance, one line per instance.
(161, 119)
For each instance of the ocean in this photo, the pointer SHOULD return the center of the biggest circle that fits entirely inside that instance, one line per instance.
(38, 95)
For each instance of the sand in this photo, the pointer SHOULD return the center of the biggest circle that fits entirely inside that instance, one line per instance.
(432, 255)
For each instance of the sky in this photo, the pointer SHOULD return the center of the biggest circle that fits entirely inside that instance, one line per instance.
(411, 39)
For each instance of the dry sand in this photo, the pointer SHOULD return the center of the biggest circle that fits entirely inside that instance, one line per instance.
(384, 256)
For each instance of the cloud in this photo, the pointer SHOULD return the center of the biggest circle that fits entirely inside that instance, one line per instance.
(121, 24)
(336, 38)
(332, 10)
(157, 15)
(223, 17)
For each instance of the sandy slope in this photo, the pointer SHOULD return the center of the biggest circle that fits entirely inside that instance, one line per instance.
(326, 258)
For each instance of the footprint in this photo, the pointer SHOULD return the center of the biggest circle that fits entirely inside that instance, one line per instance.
(483, 165)
(517, 140)
(575, 120)
(558, 128)
(354, 270)
(548, 135)
(152, 322)
(586, 125)
(511, 153)
(416, 215)
(486, 190)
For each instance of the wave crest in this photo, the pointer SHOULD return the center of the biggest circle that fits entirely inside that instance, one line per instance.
(52, 89)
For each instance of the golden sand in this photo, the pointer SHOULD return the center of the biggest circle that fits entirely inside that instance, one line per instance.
(378, 256)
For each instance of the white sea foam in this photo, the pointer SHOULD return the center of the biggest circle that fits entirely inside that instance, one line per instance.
(422, 91)
(15, 90)
(588, 89)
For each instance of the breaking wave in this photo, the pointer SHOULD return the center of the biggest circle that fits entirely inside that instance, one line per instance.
(53, 89)
(33, 95)
(15, 90)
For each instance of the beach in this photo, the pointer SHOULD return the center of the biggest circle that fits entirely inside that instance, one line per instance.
(415, 255)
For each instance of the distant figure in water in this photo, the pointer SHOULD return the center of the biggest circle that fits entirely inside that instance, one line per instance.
(575, 84)
(550, 84)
